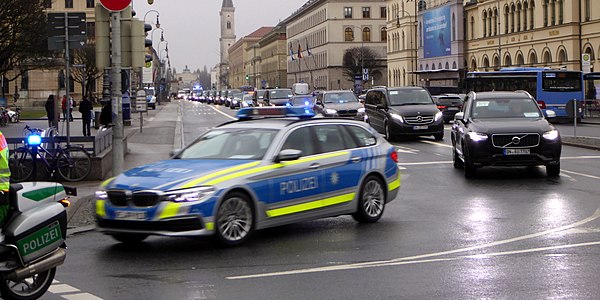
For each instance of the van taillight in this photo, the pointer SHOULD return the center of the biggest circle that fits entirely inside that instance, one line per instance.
(394, 156)
(542, 104)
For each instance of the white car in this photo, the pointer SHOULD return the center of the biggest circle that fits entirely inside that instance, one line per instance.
(152, 102)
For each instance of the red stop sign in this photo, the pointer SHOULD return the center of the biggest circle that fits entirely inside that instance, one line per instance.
(115, 5)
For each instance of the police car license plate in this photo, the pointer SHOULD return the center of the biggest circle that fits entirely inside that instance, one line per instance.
(516, 151)
(422, 127)
(130, 215)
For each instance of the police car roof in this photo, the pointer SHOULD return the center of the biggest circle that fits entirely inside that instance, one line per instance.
(279, 123)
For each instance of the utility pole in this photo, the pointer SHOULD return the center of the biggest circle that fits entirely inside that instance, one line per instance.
(117, 144)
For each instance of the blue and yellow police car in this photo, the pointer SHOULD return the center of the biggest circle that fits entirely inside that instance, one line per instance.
(254, 173)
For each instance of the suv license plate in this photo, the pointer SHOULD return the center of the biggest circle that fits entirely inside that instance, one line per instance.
(516, 151)
(130, 215)
(422, 127)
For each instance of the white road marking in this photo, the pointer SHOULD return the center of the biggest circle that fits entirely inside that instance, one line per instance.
(436, 143)
(68, 292)
(581, 157)
(412, 259)
(217, 110)
(580, 174)
(426, 163)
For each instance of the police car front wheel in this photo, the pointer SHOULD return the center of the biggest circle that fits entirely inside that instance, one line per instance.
(235, 220)
(371, 202)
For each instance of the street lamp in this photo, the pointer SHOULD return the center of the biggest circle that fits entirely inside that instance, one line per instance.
(157, 15)
(162, 35)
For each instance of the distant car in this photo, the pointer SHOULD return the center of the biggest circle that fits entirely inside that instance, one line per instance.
(403, 111)
(449, 105)
(152, 102)
(303, 100)
(247, 100)
(181, 94)
(504, 129)
(252, 174)
(235, 99)
(277, 97)
(338, 103)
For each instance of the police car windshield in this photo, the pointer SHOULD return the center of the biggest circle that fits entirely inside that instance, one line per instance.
(230, 144)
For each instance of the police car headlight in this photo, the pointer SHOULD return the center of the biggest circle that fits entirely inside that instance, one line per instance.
(191, 195)
(101, 195)
(438, 116)
(330, 111)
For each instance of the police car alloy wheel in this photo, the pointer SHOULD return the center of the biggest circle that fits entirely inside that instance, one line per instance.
(235, 220)
(371, 202)
(129, 238)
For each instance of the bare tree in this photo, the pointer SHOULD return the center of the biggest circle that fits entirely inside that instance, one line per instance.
(23, 34)
(85, 71)
(355, 59)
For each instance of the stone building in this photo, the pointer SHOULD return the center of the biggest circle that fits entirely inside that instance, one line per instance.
(243, 62)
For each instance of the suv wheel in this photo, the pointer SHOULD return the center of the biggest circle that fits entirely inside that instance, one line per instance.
(456, 162)
(553, 170)
(469, 168)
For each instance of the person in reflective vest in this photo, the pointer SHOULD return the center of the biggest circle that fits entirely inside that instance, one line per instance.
(4, 179)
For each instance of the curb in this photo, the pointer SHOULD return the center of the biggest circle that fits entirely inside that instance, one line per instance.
(72, 209)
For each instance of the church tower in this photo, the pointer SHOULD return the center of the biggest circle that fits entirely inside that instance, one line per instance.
(227, 29)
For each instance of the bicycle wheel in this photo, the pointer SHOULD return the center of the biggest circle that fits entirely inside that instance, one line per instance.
(21, 165)
(73, 164)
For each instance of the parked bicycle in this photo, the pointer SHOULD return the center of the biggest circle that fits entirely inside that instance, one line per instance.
(72, 163)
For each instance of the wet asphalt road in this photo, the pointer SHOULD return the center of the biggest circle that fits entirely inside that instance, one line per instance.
(512, 233)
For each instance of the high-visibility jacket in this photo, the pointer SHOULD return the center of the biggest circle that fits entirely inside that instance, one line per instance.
(4, 168)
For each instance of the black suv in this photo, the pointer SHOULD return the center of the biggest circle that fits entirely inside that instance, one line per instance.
(277, 97)
(504, 129)
(403, 111)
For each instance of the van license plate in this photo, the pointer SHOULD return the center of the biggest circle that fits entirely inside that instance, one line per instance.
(40, 239)
(516, 151)
(130, 215)
(422, 127)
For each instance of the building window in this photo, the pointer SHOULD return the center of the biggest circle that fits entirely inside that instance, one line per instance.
(531, 19)
(553, 13)
(348, 12)
(484, 24)
(525, 12)
(546, 13)
(518, 17)
(472, 28)
(453, 38)
(366, 34)
(383, 34)
(348, 34)
(47, 3)
(383, 11)
(588, 10)
(68, 3)
(89, 3)
(512, 18)
(366, 12)
(25, 81)
(496, 21)
(506, 19)
(228, 24)
(561, 12)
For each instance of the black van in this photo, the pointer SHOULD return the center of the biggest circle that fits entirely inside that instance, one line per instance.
(403, 111)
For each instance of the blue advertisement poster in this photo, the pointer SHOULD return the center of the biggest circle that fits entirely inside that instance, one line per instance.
(437, 32)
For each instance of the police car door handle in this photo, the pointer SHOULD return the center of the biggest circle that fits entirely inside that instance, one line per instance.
(314, 166)
(356, 159)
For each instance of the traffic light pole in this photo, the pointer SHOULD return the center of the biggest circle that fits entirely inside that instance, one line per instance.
(117, 108)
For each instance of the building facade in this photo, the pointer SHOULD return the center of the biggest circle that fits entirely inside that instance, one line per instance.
(272, 59)
(244, 59)
(321, 31)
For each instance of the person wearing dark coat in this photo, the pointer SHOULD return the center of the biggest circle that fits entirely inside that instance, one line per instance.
(106, 114)
(85, 108)
(50, 110)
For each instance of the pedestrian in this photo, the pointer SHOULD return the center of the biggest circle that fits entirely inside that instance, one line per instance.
(4, 180)
(64, 107)
(106, 114)
(71, 105)
(50, 110)
(85, 108)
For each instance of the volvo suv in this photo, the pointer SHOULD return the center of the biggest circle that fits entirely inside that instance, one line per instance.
(504, 129)
(403, 111)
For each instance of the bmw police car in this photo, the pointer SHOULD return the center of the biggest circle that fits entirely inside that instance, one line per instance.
(254, 173)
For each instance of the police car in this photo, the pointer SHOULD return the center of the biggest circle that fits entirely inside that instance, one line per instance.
(254, 173)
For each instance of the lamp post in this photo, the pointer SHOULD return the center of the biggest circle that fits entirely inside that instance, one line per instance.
(162, 35)
(157, 15)
(413, 61)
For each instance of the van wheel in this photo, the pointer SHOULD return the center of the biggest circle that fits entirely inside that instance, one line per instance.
(388, 134)
(439, 136)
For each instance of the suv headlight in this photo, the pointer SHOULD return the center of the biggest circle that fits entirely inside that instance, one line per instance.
(437, 116)
(551, 135)
(191, 194)
(397, 117)
(360, 109)
(330, 111)
(477, 137)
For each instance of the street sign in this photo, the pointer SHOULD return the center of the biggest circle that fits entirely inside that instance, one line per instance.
(58, 42)
(365, 74)
(140, 104)
(115, 5)
(586, 63)
(75, 24)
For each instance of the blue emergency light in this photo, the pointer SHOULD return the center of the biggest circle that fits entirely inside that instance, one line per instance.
(275, 112)
(34, 140)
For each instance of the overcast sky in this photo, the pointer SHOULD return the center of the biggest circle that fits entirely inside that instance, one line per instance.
(192, 27)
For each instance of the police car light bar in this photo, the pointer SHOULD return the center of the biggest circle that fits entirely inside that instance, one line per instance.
(275, 112)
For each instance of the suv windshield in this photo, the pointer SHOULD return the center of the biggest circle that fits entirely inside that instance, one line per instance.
(505, 108)
(341, 97)
(280, 94)
(230, 144)
(410, 97)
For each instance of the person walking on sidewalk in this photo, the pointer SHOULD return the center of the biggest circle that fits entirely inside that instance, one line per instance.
(65, 108)
(85, 108)
(50, 110)
(4, 180)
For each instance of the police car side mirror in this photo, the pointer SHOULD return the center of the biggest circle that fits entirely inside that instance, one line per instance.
(288, 154)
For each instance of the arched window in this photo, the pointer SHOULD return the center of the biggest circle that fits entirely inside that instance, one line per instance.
(439, 66)
(490, 21)
(531, 15)
(561, 12)
(589, 51)
(473, 65)
(485, 23)
(546, 12)
(454, 66)
(496, 62)
(447, 66)
(508, 60)
(519, 7)
(547, 58)
(496, 20)
(228, 24)
(366, 34)
(348, 34)
(486, 62)
(426, 66)
(506, 19)
(512, 18)
(533, 58)
(520, 60)
(383, 34)
(525, 13)
(562, 56)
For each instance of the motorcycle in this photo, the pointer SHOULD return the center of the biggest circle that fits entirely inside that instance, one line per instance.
(32, 242)
(14, 116)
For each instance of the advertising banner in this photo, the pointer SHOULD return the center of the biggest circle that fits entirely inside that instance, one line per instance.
(436, 31)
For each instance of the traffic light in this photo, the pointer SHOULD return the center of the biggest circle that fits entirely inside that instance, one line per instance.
(126, 37)
(139, 43)
(102, 37)
(247, 77)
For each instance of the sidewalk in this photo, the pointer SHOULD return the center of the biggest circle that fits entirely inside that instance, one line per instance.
(161, 133)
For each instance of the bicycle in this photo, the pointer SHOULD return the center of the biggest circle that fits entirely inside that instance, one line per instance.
(72, 163)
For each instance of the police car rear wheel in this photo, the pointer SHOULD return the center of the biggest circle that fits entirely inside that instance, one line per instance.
(235, 220)
(371, 202)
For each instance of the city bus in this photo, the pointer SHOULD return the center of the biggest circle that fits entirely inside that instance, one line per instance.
(550, 87)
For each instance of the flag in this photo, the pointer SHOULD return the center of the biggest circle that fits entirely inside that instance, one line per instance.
(308, 49)
(299, 51)
(291, 52)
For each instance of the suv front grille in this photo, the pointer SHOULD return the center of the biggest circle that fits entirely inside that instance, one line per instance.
(143, 198)
(516, 140)
(347, 112)
(418, 120)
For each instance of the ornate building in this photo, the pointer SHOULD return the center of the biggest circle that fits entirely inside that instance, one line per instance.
(226, 40)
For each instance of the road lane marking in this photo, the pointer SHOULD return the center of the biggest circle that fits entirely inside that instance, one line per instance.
(219, 111)
(70, 293)
(581, 157)
(402, 260)
(426, 163)
(581, 174)
(436, 143)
